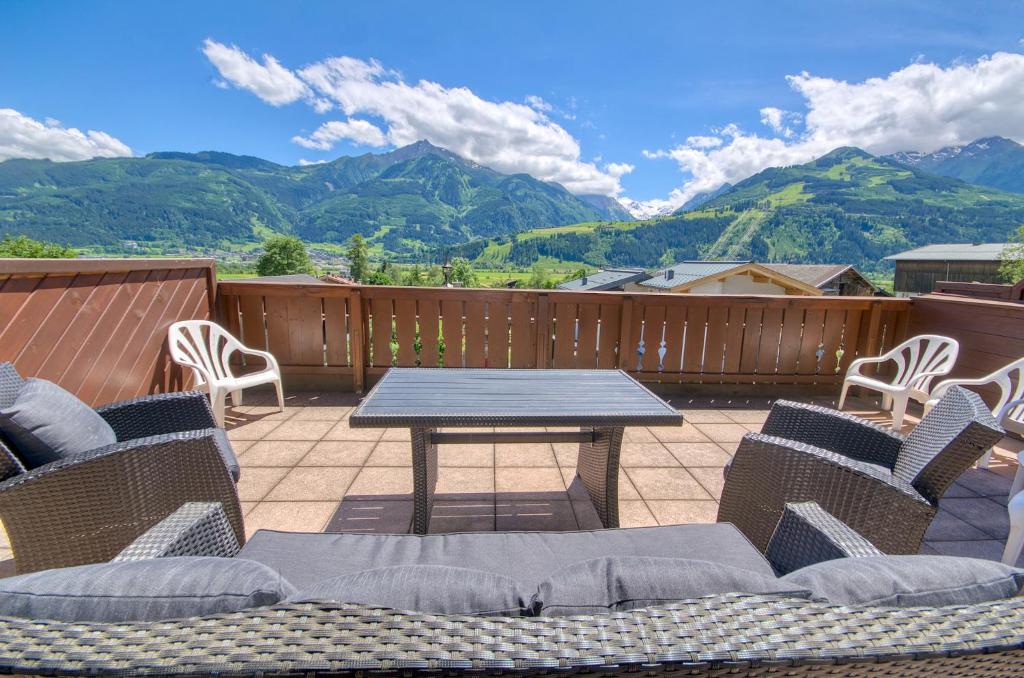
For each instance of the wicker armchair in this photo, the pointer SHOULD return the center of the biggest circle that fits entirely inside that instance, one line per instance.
(86, 508)
(733, 634)
(884, 486)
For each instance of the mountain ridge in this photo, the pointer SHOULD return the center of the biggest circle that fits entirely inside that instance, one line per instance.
(996, 162)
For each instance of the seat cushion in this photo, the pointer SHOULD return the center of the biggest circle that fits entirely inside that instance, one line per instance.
(142, 590)
(437, 589)
(46, 423)
(527, 557)
(909, 581)
(617, 583)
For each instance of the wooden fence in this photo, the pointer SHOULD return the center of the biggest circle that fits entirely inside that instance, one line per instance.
(978, 290)
(357, 332)
(98, 327)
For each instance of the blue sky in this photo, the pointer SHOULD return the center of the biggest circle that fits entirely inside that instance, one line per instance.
(607, 81)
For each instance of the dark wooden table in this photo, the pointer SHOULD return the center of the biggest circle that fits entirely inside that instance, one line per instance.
(600, 402)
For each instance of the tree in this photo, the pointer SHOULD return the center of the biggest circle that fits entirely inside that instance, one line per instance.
(24, 247)
(359, 264)
(462, 271)
(283, 255)
(382, 276)
(1011, 265)
(540, 279)
(415, 276)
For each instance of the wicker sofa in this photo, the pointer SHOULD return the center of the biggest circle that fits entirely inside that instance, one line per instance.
(728, 634)
(86, 508)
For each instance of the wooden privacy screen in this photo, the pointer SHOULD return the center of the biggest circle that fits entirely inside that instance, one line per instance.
(991, 333)
(98, 327)
(363, 330)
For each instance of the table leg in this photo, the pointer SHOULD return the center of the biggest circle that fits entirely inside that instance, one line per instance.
(598, 468)
(424, 478)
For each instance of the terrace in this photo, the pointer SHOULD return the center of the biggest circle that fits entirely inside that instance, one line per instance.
(98, 327)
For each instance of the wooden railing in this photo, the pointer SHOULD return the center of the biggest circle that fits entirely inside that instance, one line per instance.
(340, 331)
(976, 290)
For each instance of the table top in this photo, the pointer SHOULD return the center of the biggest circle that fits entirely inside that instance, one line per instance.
(454, 397)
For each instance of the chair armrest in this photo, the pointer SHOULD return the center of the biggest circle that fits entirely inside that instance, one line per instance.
(808, 534)
(269, 357)
(832, 430)
(196, 529)
(159, 414)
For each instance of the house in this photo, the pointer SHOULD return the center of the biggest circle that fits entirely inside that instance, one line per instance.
(918, 270)
(747, 277)
(605, 280)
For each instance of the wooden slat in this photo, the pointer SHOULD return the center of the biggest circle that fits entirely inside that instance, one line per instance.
(497, 334)
(789, 345)
(751, 339)
(654, 328)
(50, 329)
(832, 336)
(405, 329)
(734, 339)
(278, 341)
(714, 345)
(586, 344)
(696, 319)
(772, 320)
(380, 324)
(543, 330)
(814, 322)
(476, 334)
(429, 320)
(451, 330)
(336, 330)
(565, 336)
(253, 322)
(306, 331)
(675, 330)
(523, 350)
(610, 319)
(851, 334)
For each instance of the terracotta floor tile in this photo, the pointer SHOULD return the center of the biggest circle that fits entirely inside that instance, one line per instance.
(341, 431)
(635, 514)
(457, 480)
(240, 446)
(254, 430)
(275, 453)
(332, 413)
(586, 515)
(392, 434)
(291, 516)
(989, 549)
(512, 480)
(727, 433)
(710, 478)
(381, 480)
(985, 514)
(477, 454)
(256, 482)
(681, 512)
(381, 517)
(641, 434)
(299, 430)
(534, 515)
(566, 454)
(320, 483)
(578, 492)
(755, 418)
(247, 506)
(730, 448)
(524, 454)
(391, 453)
(338, 453)
(706, 417)
(463, 516)
(666, 483)
(687, 433)
(947, 527)
(646, 454)
(699, 454)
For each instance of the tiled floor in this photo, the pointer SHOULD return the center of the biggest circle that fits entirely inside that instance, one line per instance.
(304, 469)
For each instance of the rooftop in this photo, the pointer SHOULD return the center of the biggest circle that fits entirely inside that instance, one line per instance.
(604, 279)
(689, 271)
(952, 252)
(814, 275)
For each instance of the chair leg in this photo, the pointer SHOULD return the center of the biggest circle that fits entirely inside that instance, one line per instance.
(886, 401)
(985, 459)
(1018, 478)
(899, 408)
(236, 398)
(842, 395)
(280, 395)
(217, 397)
(1015, 540)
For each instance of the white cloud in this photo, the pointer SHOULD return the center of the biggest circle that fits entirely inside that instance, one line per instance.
(270, 81)
(921, 107)
(353, 129)
(618, 169)
(537, 103)
(306, 163)
(507, 136)
(25, 137)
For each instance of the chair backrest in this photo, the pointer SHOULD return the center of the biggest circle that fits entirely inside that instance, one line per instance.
(920, 354)
(10, 383)
(204, 346)
(1010, 381)
(951, 437)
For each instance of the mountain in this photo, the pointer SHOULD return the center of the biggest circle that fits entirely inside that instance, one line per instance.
(995, 162)
(610, 209)
(701, 198)
(845, 207)
(414, 198)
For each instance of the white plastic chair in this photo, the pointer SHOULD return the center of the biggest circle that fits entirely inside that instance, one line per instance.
(1009, 407)
(206, 347)
(918, 360)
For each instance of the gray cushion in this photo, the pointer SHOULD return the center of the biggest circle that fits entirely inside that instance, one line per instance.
(46, 423)
(618, 583)
(527, 557)
(437, 589)
(142, 590)
(909, 581)
(227, 453)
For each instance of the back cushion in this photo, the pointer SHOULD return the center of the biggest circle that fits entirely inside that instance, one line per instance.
(142, 590)
(909, 581)
(436, 589)
(620, 583)
(46, 423)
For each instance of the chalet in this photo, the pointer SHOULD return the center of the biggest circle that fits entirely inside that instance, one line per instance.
(747, 277)
(609, 279)
(918, 270)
